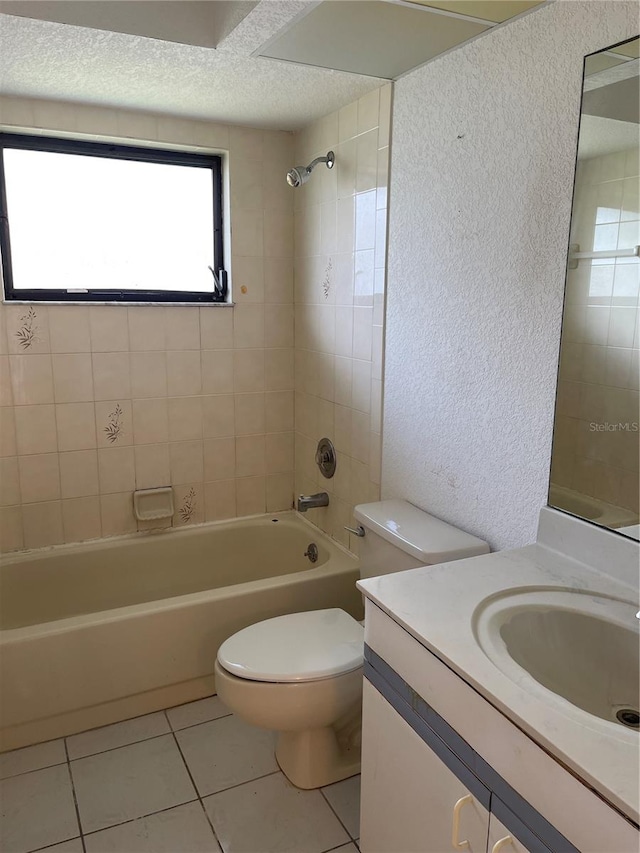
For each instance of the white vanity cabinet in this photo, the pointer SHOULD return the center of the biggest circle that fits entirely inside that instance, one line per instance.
(444, 770)
(412, 801)
(501, 839)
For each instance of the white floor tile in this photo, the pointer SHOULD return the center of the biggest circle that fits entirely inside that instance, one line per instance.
(37, 809)
(200, 711)
(226, 752)
(184, 828)
(72, 846)
(271, 816)
(118, 734)
(130, 782)
(32, 758)
(346, 848)
(344, 798)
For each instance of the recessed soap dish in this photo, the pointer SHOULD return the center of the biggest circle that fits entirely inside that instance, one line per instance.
(153, 504)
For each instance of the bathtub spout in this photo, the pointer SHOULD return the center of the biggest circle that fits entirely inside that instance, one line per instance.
(306, 502)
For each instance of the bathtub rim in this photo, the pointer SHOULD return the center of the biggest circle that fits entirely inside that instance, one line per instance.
(21, 556)
(116, 614)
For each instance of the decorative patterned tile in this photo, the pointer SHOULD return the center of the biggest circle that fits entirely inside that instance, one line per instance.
(284, 819)
(184, 828)
(37, 810)
(130, 782)
(226, 752)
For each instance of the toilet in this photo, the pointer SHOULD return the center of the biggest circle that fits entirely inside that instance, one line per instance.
(301, 674)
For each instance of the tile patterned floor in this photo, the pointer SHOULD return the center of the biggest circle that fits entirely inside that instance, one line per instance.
(192, 779)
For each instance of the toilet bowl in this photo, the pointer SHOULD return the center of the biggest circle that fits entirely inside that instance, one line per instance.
(301, 674)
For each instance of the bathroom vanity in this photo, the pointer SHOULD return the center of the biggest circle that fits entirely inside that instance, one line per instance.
(462, 748)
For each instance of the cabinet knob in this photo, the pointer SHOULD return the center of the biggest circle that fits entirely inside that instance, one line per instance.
(502, 843)
(459, 845)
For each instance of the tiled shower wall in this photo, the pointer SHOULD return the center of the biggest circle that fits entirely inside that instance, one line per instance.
(97, 401)
(340, 256)
(598, 381)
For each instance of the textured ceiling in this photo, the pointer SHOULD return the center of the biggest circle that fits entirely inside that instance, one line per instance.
(41, 59)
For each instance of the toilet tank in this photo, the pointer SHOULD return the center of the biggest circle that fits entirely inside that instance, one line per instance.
(400, 536)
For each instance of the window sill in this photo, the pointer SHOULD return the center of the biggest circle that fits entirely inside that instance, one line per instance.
(121, 303)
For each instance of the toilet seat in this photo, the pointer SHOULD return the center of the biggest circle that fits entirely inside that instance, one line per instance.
(297, 647)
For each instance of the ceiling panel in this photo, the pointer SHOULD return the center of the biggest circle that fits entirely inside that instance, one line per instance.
(369, 37)
(196, 22)
(489, 10)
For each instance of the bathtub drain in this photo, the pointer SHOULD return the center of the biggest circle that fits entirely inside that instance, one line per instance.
(629, 717)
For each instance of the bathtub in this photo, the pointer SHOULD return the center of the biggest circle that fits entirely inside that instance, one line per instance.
(593, 509)
(99, 632)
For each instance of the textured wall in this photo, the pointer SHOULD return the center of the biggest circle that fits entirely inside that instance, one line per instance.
(202, 396)
(480, 197)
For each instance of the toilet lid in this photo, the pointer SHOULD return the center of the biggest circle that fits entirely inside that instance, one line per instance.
(296, 647)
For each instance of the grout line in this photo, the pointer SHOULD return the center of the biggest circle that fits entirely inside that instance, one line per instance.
(195, 787)
(336, 814)
(201, 723)
(246, 782)
(68, 758)
(56, 843)
(35, 769)
(340, 846)
(144, 739)
(140, 817)
(73, 790)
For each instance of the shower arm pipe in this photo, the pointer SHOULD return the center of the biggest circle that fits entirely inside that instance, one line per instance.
(327, 159)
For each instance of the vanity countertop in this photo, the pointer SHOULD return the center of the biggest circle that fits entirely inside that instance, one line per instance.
(436, 605)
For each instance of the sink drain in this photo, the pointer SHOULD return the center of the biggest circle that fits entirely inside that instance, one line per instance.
(629, 717)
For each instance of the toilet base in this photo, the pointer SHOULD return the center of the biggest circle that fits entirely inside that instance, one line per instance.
(314, 758)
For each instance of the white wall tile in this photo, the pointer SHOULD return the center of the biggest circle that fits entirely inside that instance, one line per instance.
(69, 329)
(42, 524)
(78, 473)
(31, 379)
(72, 378)
(216, 328)
(219, 459)
(93, 380)
(39, 477)
(109, 328)
(250, 495)
(111, 376)
(116, 469)
(9, 481)
(116, 514)
(184, 374)
(36, 429)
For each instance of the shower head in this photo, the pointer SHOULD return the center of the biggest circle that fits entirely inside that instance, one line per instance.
(299, 175)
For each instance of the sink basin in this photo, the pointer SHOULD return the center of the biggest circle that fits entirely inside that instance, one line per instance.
(583, 648)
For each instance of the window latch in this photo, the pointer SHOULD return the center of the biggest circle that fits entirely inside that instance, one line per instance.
(219, 283)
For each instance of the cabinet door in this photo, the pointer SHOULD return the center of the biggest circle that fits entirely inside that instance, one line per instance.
(409, 795)
(501, 840)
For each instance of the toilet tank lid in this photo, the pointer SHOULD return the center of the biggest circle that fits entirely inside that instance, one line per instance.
(425, 537)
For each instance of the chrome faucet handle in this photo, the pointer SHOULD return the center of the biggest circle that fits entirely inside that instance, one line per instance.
(357, 531)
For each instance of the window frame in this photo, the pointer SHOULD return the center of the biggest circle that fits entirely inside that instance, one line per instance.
(113, 151)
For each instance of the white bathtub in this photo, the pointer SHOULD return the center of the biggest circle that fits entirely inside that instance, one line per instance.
(95, 633)
(593, 509)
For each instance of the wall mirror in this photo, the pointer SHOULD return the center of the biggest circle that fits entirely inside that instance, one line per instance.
(594, 464)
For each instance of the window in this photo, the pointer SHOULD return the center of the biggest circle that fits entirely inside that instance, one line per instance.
(88, 221)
